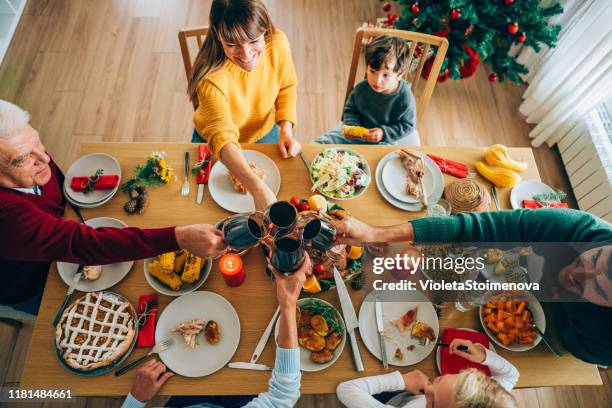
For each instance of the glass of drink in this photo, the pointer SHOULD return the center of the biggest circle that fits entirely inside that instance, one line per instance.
(280, 217)
(319, 232)
(243, 231)
(287, 251)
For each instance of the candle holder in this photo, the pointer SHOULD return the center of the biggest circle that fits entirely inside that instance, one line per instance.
(232, 270)
(287, 251)
(243, 231)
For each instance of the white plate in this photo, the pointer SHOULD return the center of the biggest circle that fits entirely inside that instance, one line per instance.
(491, 347)
(85, 166)
(525, 190)
(206, 358)
(538, 317)
(392, 310)
(94, 205)
(306, 364)
(366, 169)
(222, 189)
(394, 177)
(433, 197)
(111, 274)
(163, 289)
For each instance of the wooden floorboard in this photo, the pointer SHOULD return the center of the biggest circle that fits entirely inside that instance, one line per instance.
(110, 70)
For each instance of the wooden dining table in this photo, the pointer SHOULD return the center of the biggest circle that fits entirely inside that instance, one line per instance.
(255, 300)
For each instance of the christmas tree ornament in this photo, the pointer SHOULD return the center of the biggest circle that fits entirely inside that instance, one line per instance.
(469, 30)
(455, 14)
(508, 2)
(522, 37)
(386, 6)
(513, 28)
(415, 8)
(493, 77)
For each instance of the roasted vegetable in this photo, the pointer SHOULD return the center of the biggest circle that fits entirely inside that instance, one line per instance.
(332, 341)
(322, 357)
(497, 155)
(179, 260)
(191, 271)
(163, 263)
(509, 320)
(173, 281)
(319, 325)
(500, 177)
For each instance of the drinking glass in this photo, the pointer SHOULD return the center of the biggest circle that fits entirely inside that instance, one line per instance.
(319, 232)
(287, 251)
(243, 231)
(280, 217)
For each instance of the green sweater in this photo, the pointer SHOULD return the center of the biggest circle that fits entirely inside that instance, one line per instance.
(583, 327)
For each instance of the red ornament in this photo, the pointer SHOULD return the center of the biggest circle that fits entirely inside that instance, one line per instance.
(513, 28)
(443, 76)
(468, 67)
(522, 37)
(493, 77)
(455, 13)
(390, 21)
(415, 8)
(508, 2)
(386, 6)
(319, 269)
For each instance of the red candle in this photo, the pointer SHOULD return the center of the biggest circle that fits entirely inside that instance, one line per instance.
(230, 266)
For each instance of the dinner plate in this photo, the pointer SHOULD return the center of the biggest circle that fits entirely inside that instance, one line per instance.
(206, 358)
(525, 190)
(93, 205)
(86, 166)
(433, 197)
(186, 288)
(111, 274)
(394, 177)
(106, 369)
(366, 170)
(222, 189)
(306, 364)
(393, 338)
(491, 347)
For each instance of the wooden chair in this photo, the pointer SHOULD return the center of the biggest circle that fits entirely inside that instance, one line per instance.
(425, 42)
(183, 36)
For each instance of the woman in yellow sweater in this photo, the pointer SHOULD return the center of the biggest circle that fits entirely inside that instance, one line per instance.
(244, 84)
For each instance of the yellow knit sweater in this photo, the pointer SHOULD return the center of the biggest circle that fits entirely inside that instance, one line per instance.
(242, 106)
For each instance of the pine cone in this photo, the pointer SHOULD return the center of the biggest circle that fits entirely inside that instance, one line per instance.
(133, 194)
(358, 281)
(142, 202)
(131, 206)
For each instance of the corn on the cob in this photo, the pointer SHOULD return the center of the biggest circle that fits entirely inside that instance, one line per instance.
(179, 260)
(191, 271)
(355, 131)
(164, 263)
(172, 281)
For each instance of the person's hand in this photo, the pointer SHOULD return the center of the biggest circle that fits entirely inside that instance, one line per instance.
(351, 231)
(415, 381)
(149, 379)
(374, 135)
(288, 287)
(263, 197)
(203, 240)
(288, 145)
(475, 352)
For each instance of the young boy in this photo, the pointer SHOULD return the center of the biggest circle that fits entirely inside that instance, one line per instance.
(383, 103)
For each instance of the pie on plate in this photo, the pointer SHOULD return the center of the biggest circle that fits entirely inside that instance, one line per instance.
(96, 330)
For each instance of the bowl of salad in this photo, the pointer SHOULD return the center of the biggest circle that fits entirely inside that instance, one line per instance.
(339, 173)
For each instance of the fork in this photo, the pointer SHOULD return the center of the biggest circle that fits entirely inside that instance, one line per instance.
(158, 348)
(185, 188)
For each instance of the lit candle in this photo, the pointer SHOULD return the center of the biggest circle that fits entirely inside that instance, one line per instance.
(230, 266)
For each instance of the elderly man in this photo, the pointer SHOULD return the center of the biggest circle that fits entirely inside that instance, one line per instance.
(34, 232)
(584, 325)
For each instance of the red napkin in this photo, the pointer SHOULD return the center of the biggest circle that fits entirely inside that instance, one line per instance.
(453, 168)
(146, 333)
(204, 154)
(105, 182)
(452, 363)
(538, 204)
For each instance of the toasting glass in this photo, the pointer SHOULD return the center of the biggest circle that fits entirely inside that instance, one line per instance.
(280, 217)
(287, 251)
(243, 231)
(319, 232)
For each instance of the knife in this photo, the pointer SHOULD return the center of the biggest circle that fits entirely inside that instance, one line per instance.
(350, 318)
(264, 337)
(250, 366)
(381, 332)
(204, 170)
(75, 280)
(495, 198)
(304, 161)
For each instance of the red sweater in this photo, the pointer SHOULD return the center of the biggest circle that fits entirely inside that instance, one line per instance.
(33, 233)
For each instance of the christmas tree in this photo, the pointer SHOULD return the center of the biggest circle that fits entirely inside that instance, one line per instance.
(481, 30)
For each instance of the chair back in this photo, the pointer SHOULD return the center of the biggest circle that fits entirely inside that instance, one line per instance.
(422, 48)
(191, 40)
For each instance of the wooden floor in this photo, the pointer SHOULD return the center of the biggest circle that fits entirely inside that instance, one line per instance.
(110, 70)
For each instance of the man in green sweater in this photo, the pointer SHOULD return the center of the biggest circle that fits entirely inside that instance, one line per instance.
(584, 327)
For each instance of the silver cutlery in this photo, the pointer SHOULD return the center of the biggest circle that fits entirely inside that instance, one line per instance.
(350, 318)
(495, 198)
(158, 348)
(264, 337)
(75, 280)
(381, 332)
(185, 187)
(250, 366)
(304, 161)
(547, 340)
